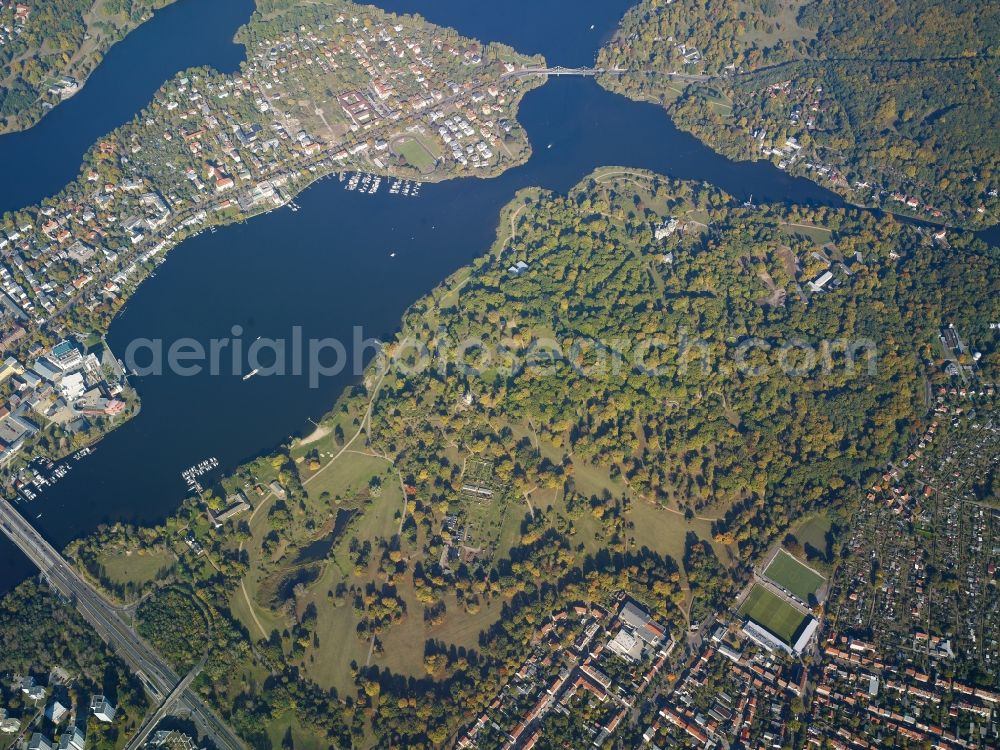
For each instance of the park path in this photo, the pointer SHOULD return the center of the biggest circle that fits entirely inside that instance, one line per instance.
(270, 496)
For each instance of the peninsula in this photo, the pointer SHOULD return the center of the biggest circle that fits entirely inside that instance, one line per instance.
(659, 467)
(327, 87)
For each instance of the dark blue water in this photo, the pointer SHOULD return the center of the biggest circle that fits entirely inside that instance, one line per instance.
(327, 268)
(559, 29)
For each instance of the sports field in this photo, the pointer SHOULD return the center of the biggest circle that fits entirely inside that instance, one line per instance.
(773, 612)
(416, 154)
(792, 575)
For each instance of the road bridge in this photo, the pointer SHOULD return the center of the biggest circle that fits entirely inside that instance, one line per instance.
(159, 678)
(560, 70)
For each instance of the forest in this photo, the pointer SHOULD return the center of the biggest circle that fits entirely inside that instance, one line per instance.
(660, 360)
(888, 104)
(693, 427)
(680, 416)
(42, 633)
(174, 623)
(56, 38)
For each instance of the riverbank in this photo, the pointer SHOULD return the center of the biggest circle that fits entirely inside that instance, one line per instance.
(451, 478)
(840, 108)
(183, 35)
(97, 31)
(335, 255)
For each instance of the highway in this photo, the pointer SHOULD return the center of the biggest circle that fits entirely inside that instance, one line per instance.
(160, 680)
(140, 737)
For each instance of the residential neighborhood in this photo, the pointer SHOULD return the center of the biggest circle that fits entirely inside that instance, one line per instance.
(414, 101)
(51, 712)
(899, 644)
(585, 660)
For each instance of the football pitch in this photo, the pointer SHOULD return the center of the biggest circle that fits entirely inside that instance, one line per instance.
(792, 575)
(773, 612)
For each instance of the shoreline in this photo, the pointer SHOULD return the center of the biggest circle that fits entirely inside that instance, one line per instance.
(36, 112)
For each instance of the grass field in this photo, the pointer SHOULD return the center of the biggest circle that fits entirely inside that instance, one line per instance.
(819, 235)
(338, 624)
(286, 726)
(336, 630)
(138, 567)
(792, 575)
(772, 612)
(349, 476)
(415, 153)
(784, 25)
(665, 532)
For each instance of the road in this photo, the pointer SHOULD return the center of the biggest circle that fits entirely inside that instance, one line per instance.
(562, 71)
(140, 737)
(161, 681)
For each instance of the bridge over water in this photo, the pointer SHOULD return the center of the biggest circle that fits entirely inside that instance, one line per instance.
(158, 677)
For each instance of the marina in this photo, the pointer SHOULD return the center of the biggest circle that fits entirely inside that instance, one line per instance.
(369, 184)
(192, 474)
(41, 474)
(404, 187)
(364, 183)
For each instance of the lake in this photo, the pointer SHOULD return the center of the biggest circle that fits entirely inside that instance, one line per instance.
(345, 260)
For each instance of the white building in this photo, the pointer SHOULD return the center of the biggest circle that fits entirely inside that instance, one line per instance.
(821, 281)
(626, 645)
(103, 709)
(764, 637)
(66, 356)
(56, 711)
(518, 268)
(73, 386)
(8, 725)
(29, 687)
(667, 228)
(73, 739)
(644, 627)
(806, 636)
